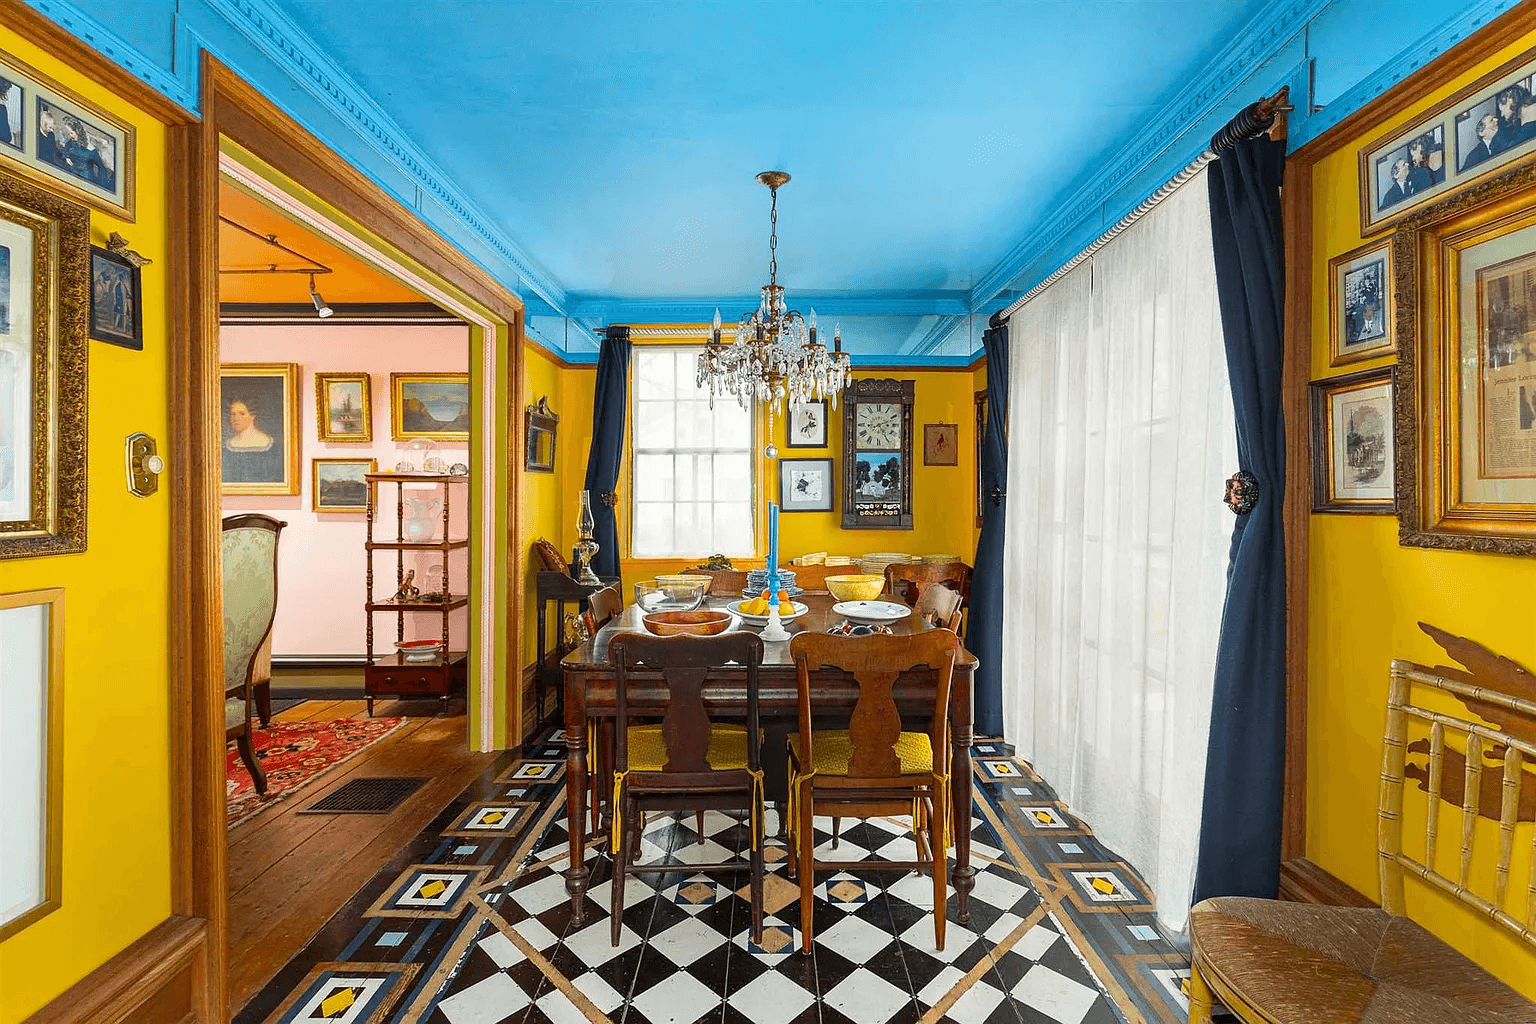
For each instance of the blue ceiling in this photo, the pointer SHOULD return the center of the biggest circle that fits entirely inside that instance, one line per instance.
(616, 143)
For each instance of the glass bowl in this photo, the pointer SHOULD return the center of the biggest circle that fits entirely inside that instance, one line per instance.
(673, 597)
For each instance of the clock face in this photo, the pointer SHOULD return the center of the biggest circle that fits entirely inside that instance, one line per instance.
(878, 425)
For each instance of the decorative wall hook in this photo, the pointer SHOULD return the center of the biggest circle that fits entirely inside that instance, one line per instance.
(118, 245)
(996, 494)
(609, 498)
(1242, 492)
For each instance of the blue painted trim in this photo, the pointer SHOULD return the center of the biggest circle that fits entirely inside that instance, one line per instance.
(1255, 45)
(937, 334)
(1303, 129)
(896, 360)
(614, 310)
(114, 47)
(287, 46)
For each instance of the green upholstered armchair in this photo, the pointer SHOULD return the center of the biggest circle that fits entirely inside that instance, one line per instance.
(250, 604)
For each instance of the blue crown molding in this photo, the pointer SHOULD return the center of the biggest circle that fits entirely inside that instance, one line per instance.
(1250, 49)
(936, 335)
(609, 309)
(287, 46)
(1304, 128)
(179, 89)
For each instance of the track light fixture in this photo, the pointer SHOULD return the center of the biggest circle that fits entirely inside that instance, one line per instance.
(320, 307)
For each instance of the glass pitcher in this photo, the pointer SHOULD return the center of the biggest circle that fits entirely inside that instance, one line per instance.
(421, 518)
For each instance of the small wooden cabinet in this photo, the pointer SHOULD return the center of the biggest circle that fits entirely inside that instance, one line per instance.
(389, 675)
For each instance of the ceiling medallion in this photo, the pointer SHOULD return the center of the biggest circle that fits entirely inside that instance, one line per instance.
(775, 354)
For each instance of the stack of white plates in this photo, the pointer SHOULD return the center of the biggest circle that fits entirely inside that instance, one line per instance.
(874, 564)
(757, 581)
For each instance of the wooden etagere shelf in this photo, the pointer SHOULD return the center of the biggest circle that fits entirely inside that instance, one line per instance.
(391, 675)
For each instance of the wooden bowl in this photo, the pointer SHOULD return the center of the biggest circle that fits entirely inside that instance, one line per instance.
(855, 588)
(700, 623)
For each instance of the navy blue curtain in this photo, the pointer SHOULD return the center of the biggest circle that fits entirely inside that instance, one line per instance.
(984, 635)
(608, 407)
(1245, 764)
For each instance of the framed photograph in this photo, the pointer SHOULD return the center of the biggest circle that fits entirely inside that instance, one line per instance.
(1360, 323)
(941, 444)
(339, 484)
(259, 443)
(805, 485)
(31, 757)
(115, 291)
(63, 141)
(807, 424)
(344, 407)
(44, 302)
(1486, 126)
(1352, 443)
(1466, 473)
(430, 405)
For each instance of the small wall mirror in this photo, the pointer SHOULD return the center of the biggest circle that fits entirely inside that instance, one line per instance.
(541, 426)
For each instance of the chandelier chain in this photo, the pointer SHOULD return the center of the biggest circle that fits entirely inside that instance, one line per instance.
(773, 239)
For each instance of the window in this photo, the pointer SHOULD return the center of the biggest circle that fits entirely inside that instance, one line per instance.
(691, 476)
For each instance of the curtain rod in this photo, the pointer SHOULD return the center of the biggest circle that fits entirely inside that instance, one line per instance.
(1256, 118)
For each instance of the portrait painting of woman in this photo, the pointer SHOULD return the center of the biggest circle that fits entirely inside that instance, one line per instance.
(259, 440)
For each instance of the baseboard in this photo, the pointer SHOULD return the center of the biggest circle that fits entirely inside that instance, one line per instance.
(319, 660)
(317, 693)
(1302, 881)
(159, 978)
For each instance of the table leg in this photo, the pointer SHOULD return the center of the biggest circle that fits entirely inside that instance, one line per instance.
(575, 808)
(963, 877)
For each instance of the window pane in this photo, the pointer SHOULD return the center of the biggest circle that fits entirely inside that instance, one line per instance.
(685, 477)
(733, 476)
(653, 372)
(733, 425)
(653, 425)
(652, 529)
(687, 371)
(733, 529)
(691, 533)
(653, 478)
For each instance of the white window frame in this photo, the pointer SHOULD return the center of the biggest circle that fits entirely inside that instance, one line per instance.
(635, 451)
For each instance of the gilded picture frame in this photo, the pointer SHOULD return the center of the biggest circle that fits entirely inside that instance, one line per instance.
(259, 428)
(435, 406)
(339, 485)
(1446, 148)
(44, 303)
(344, 408)
(1361, 325)
(941, 444)
(1352, 443)
(64, 142)
(36, 755)
(980, 398)
(1465, 399)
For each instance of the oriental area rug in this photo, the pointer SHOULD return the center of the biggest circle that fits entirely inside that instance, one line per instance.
(471, 924)
(294, 754)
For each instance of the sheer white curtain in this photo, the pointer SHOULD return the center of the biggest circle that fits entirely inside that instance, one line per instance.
(1120, 436)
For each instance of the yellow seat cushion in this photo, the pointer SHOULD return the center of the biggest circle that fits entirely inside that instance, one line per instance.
(834, 749)
(648, 748)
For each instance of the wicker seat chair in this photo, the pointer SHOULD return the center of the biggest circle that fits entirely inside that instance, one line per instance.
(1297, 963)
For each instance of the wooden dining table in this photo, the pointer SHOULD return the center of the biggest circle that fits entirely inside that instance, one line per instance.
(589, 698)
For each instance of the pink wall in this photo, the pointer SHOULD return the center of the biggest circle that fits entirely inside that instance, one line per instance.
(321, 562)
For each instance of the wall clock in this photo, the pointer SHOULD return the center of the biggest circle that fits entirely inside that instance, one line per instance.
(877, 454)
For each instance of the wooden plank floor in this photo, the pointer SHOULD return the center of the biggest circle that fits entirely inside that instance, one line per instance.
(288, 873)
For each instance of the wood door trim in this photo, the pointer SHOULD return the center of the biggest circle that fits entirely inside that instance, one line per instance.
(119, 988)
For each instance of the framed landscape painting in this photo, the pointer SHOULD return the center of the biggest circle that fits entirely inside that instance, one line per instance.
(259, 436)
(344, 407)
(339, 484)
(431, 405)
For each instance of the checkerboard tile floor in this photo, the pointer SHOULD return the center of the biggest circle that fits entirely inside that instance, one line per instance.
(687, 956)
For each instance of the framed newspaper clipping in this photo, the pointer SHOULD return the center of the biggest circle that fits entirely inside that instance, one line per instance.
(1466, 394)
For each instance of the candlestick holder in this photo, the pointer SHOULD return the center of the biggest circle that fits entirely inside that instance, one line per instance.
(775, 629)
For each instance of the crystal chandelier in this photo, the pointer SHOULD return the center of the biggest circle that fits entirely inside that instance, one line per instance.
(775, 354)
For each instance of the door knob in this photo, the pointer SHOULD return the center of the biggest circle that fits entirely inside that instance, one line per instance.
(144, 465)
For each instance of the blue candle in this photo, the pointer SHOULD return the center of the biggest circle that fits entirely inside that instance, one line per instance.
(773, 549)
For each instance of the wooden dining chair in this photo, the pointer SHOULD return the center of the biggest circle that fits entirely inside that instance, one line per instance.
(940, 607)
(874, 767)
(910, 581)
(602, 606)
(687, 762)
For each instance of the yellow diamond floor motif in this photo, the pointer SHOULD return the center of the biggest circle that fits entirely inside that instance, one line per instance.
(778, 893)
(432, 888)
(337, 1003)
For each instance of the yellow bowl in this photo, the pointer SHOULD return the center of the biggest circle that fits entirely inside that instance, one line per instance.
(684, 579)
(855, 588)
(702, 623)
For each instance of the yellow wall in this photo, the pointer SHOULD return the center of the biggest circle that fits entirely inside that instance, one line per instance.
(543, 493)
(116, 744)
(1366, 595)
(943, 513)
